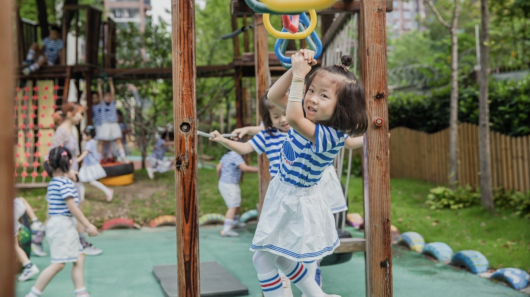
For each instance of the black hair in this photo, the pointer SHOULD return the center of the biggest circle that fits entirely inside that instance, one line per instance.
(168, 134)
(119, 112)
(90, 131)
(59, 158)
(55, 28)
(350, 114)
(264, 106)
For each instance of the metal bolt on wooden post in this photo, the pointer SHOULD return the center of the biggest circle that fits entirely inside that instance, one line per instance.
(185, 123)
(376, 160)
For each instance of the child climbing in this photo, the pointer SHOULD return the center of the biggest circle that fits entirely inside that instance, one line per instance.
(156, 160)
(296, 223)
(110, 129)
(91, 170)
(21, 206)
(61, 227)
(49, 53)
(229, 172)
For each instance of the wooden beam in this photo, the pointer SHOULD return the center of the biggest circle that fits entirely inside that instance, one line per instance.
(334, 29)
(351, 245)
(238, 88)
(240, 8)
(376, 184)
(263, 78)
(7, 82)
(185, 123)
(325, 23)
(235, 39)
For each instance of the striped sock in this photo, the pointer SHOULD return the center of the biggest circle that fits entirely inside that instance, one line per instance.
(311, 268)
(271, 284)
(34, 67)
(299, 276)
(34, 293)
(31, 55)
(228, 224)
(80, 291)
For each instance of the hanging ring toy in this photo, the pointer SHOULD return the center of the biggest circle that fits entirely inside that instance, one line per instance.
(296, 5)
(290, 22)
(286, 35)
(280, 47)
(259, 7)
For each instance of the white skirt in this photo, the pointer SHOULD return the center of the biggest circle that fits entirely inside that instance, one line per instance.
(332, 190)
(108, 132)
(63, 238)
(91, 173)
(295, 223)
(231, 194)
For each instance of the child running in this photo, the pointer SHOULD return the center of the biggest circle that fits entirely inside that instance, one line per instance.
(61, 228)
(296, 223)
(21, 206)
(156, 160)
(91, 170)
(229, 172)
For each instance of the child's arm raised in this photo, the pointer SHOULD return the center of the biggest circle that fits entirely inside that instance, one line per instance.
(250, 130)
(238, 147)
(353, 142)
(100, 90)
(277, 94)
(78, 214)
(112, 90)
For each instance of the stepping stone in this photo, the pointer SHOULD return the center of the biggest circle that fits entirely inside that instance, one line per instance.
(215, 280)
(249, 215)
(515, 277)
(439, 250)
(472, 260)
(412, 240)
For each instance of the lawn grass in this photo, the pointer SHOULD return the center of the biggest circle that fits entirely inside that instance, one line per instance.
(503, 238)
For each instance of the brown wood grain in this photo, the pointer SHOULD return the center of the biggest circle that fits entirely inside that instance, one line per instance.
(504, 161)
(238, 90)
(261, 61)
(7, 82)
(492, 160)
(350, 245)
(376, 182)
(185, 123)
(526, 161)
(235, 40)
(515, 165)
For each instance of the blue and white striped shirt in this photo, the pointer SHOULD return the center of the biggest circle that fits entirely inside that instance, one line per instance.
(159, 150)
(230, 172)
(108, 114)
(51, 49)
(302, 162)
(270, 144)
(59, 189)
(97, 113)
(92, 158)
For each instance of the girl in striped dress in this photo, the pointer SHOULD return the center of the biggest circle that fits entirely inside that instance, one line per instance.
(61, 229)
(296, 223)
(91, 170)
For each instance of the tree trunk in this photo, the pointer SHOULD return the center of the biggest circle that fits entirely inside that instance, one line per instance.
(43, 18)
(484, 128)
(453, 120)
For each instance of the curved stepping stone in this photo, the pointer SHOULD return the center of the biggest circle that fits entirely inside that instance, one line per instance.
(211, 218)
(355, 220)
(249, 215)
(412, 240)
(163, 221)
(439, 250)
(472, 260)
(119, 223)
(515, 277)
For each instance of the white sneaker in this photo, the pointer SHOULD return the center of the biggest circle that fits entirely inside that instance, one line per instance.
(38, 250)
(287, 291)
(89, 249)
(150, 173)
(28, 273)
(110, 195)
(229, 233)
(36, 227)
(26, 71)
(239, 225)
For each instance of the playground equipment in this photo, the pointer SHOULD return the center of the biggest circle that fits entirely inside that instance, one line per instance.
(163, 221)
(249, 215)
(515, 277)
(286, 35)
(474, 261)
(412, 240)
(439, 250)
(118, 174)
(211, 218)
(119, 223)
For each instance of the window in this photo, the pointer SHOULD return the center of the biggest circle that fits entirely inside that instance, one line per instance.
(407, 15)
(126, 13)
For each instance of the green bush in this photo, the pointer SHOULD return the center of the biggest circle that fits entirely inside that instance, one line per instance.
(509, 108)
(463, 197)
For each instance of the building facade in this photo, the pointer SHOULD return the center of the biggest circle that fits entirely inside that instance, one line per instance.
(129, 11)
(406, 16)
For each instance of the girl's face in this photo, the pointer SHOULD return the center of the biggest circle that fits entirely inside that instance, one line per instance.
(321, 98)
(76, 117)
(279, 120)
(86, 137)
(95, 99)
(108, 97)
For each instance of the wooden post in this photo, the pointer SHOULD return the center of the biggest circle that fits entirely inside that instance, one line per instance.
(238, 87)
(235, 40)
(185, 123)
(261, 60)
(88, 86)
(372, 52)
(7, 71)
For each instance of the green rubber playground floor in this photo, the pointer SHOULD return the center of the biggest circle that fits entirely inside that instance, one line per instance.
(125, 268)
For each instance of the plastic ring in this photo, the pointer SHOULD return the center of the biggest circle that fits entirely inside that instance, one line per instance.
(297, 5)
(281, 46)
(262, 8)
(290, 22)
(286, 35)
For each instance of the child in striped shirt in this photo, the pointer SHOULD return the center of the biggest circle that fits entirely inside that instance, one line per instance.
(61, 229)
(296, 223)
(156, 160)
(91, 170)
(49, 54)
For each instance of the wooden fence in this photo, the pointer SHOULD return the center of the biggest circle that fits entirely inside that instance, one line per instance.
(415, 154)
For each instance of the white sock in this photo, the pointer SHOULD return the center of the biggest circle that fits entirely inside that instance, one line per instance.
(80, 290)
(271, 284)
(34, 67)
(301, 278)
(31, 55)
(311, 268)
(100, 186)
(34, 292)
(228, 224)
(122, 153)
(80, 191)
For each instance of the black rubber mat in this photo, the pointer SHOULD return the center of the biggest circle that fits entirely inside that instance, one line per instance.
(215, 280)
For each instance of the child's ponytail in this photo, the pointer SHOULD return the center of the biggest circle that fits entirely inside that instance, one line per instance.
(59, 158)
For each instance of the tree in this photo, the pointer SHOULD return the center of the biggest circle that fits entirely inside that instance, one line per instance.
(453, 120)
(484, 122)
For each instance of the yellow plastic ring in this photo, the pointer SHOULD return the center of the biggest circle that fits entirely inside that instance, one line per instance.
(287, 35)
(296, 5)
